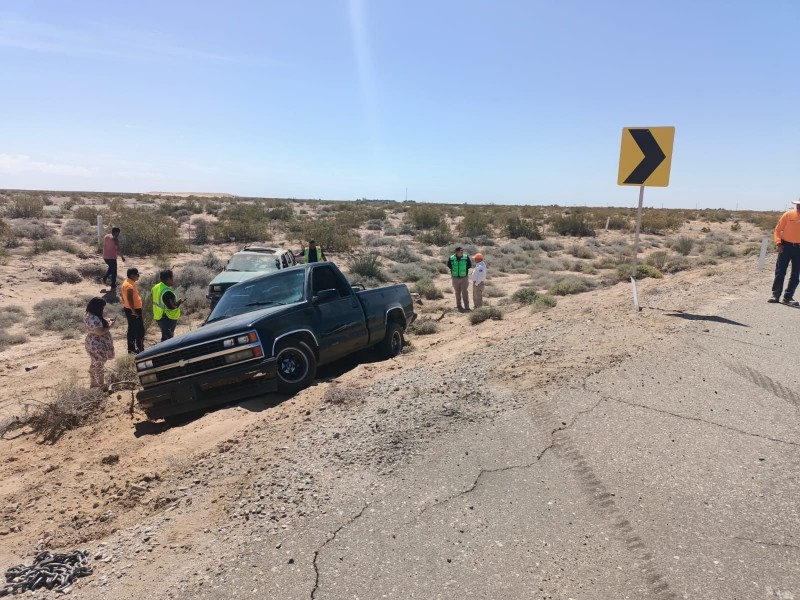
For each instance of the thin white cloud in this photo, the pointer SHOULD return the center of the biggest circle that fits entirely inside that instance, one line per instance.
(102, 40)
(358, 29)
(12, 164)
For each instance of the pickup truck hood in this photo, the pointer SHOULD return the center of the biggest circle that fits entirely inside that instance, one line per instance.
(230, 326)
(228, 278)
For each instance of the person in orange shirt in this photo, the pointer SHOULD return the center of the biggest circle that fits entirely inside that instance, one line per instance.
(132, 302)
(787, 241)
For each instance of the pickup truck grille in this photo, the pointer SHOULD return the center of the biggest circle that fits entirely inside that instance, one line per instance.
(191, 369)
(208, 356)
(187, 353)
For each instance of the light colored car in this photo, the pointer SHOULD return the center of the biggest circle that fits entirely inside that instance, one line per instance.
(250, 261)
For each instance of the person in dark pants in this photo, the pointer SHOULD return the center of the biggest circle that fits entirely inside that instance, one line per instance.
(132, 302)
(166, 305)
(787, 241)
(112, 250)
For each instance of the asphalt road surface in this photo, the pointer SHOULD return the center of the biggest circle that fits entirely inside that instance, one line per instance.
(671, 475)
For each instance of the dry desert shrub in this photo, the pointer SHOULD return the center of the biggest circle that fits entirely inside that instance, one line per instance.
(484, 313)
(11, 315)
(59, 275)
(53, 244)
(61, 315)
(427, 289)
(657, 259)
(122, 374)
(26, 206)
(70, 406)
(11, 339)
(683, 245)
(571, 284)
(147, 233)
(423, 327)
(366, 264)
(579, 251)
(533, 298)
(92, 270)
(32, 230)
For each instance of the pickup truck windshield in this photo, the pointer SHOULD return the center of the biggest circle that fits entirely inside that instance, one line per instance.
(249, 262)
(275, 290)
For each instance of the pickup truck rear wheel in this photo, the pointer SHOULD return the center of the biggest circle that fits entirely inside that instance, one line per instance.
(392, 344)
(296, 366)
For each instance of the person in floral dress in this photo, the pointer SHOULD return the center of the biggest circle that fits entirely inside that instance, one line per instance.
(99, 344)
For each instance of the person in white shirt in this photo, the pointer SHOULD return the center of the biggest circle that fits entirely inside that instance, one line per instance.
(478, 280)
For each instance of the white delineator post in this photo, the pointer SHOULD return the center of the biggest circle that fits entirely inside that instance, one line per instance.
(763, 255)
(100, 230)
(608, 220)
(636, 247)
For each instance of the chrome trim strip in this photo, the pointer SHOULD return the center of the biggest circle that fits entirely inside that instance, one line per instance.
(190, 361)
(283, 335)
(390, 309)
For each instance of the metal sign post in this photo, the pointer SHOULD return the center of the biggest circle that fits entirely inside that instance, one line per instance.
(763, 255)
(645, 158)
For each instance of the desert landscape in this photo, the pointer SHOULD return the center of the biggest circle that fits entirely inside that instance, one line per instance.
(82, 469)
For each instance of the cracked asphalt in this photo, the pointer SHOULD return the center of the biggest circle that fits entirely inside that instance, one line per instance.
(672, 474)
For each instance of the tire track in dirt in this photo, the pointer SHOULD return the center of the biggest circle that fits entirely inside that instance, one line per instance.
(601, 499)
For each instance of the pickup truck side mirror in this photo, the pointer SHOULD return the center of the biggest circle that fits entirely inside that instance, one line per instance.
(325, 296)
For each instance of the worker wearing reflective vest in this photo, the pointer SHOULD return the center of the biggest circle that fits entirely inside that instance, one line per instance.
(166, 305)
(314, 253)
(459, 266)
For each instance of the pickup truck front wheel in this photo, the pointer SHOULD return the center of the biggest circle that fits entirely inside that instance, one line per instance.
(296, 366)
(392, 344)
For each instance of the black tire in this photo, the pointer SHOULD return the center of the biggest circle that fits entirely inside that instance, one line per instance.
(296, 366)
(392, 343)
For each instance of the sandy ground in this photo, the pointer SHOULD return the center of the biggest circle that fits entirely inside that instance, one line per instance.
(121, 476)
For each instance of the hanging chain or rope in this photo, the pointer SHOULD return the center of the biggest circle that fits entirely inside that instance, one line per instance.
(52, 571)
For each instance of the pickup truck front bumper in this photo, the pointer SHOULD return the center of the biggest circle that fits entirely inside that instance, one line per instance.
(200, 391)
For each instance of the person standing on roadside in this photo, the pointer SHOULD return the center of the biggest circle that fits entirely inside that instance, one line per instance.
(132, 302)
(787, 241)
(166, 305)
(313, 253)
(112, 250)
(459, 266)
(98, 343)
(478, 280)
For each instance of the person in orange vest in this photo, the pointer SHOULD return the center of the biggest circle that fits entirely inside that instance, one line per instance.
(132, 302)
(787, 241)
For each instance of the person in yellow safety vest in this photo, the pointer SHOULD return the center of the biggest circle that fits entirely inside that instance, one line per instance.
(459, 266)
(166, 305)
(314, 253)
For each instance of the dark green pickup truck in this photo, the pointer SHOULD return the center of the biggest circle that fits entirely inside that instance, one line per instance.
(269, 334)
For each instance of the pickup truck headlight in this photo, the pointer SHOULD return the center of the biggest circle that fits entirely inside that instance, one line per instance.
(145, 364)
(151, 378)
(242, 339)
(216, 288)
(228, 343)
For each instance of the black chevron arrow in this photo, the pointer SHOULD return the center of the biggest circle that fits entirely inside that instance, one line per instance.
(653, 156)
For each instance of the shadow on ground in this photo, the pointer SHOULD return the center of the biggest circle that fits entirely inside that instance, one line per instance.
(712, 318)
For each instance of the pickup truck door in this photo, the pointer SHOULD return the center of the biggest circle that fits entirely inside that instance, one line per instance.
(339, 321)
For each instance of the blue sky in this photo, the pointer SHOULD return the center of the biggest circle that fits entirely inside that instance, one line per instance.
(509, 102)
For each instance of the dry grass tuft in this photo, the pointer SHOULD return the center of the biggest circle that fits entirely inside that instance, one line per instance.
(341, 395)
